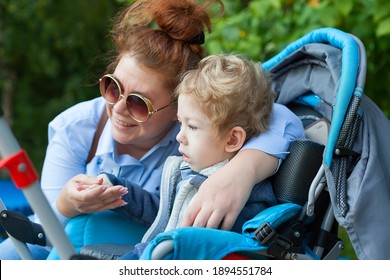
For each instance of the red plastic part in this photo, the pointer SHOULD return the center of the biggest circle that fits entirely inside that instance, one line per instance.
(235, 256)
(21, 169)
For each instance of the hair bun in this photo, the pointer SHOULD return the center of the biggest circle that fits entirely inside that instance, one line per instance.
(184, 20)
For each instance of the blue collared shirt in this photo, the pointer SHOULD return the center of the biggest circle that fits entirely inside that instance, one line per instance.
(71, 134)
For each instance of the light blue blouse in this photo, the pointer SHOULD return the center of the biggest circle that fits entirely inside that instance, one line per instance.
(71, 134)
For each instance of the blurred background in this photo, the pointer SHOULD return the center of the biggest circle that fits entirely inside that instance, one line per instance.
(52, 52)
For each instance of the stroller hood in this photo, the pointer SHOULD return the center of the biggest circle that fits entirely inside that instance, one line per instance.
(330, 65)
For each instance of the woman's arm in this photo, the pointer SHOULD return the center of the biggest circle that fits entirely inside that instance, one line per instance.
(223, 195)
(70, 135)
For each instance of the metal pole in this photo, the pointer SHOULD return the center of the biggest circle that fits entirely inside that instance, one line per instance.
(9, 146)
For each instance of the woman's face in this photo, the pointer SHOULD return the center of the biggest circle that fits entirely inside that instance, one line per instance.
(134, 137)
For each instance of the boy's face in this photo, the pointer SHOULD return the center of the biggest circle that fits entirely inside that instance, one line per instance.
(198, 139)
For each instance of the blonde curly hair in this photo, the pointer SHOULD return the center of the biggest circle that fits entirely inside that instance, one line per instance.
(232, 91)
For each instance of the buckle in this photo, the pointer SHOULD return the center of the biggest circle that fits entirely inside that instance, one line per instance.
(281, 246)
(265, 234)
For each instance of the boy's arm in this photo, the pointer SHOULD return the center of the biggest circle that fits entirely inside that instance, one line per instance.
(142, 206)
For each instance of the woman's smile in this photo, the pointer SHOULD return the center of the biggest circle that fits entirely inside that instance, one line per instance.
(122, 123)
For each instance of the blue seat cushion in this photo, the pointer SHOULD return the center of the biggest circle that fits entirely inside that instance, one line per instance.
(101, 228)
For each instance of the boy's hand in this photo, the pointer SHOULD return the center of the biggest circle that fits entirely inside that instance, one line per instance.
(101, 180)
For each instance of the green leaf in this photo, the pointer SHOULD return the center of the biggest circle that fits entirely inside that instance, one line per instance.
(328, 16)
(344, 6)
(381, 10)
(383, 28)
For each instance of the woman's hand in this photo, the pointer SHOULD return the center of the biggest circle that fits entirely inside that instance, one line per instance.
(86, 194)
(224, 194)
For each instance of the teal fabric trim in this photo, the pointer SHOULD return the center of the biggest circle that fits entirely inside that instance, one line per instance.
(275, 216)
(190, 243)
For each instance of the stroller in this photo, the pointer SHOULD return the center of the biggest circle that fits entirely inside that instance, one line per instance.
(336, 177)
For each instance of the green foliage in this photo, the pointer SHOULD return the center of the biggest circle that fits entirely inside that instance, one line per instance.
(51, 53)
(261, 28)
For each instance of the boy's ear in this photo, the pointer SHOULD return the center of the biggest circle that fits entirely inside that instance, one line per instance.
(236, 139)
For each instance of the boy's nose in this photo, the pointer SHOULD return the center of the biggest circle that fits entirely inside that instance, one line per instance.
(180, 137)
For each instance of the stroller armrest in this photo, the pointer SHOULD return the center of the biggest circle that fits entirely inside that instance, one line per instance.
(292, 182)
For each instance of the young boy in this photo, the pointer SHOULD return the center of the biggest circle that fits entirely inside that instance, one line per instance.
(224, 102)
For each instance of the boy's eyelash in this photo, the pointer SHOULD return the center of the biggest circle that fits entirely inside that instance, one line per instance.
(192, 127)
